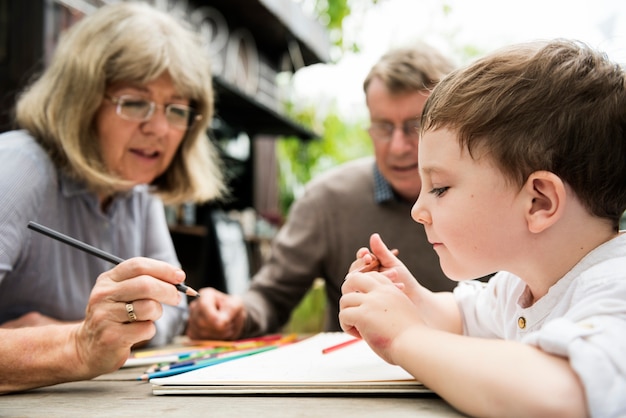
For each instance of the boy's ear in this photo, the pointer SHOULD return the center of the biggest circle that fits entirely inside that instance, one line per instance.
(546, 195)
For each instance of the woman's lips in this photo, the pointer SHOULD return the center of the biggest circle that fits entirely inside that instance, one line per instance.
(145, 153)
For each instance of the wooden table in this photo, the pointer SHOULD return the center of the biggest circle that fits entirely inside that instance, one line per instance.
(120, 395)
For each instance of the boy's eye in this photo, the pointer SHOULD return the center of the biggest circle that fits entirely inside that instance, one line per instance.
(438, 191)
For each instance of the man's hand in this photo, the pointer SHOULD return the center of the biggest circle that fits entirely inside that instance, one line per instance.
(216, 315)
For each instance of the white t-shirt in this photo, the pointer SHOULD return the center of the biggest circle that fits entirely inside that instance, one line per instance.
(582, 317)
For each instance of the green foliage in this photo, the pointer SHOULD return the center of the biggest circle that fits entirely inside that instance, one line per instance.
(299, 161)
(308, 317)
(341, 140)
(331, 14)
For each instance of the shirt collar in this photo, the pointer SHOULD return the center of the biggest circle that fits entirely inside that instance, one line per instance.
(382, 189)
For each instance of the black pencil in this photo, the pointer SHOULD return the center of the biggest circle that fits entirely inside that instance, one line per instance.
(94, 251)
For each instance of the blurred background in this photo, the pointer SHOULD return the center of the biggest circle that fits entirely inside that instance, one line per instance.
(325, 95)
(289, 101)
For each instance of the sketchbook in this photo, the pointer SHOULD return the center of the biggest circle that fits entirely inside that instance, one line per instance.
(297, 368)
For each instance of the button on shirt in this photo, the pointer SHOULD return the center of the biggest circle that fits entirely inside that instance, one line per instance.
(582, 318)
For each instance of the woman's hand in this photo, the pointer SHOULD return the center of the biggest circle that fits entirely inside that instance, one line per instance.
(121, 311)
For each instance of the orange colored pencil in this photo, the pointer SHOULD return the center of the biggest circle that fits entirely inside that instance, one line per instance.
(375, 263)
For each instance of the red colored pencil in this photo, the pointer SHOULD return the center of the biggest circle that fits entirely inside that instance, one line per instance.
(340, 345)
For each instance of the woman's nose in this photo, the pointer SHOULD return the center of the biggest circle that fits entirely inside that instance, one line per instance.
(157, 123)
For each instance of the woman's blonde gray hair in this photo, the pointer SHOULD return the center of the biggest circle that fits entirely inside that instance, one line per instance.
(123, 42)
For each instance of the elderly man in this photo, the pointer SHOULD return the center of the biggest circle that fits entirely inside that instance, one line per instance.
(339, 211)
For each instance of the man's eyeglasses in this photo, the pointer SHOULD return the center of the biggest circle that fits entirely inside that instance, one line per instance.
(383, 131)
(135, 108)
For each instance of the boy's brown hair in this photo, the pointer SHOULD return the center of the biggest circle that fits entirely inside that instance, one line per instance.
(558, 106)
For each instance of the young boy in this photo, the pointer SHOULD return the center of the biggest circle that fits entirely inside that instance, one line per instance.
(523, 163)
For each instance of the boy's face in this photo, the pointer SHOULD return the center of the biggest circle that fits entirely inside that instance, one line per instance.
(470, 213)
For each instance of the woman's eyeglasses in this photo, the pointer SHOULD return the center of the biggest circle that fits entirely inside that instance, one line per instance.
(135, 108)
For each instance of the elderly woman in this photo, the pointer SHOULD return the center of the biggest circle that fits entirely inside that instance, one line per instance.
(113, 127)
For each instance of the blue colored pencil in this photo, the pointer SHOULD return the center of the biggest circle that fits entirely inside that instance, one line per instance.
(198, 364)
(188, 362)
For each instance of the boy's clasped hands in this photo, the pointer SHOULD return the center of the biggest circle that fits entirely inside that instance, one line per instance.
(368, 294)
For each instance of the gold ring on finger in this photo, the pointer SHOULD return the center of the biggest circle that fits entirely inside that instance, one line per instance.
(130, 311)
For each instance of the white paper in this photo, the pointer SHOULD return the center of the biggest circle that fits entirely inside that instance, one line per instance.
(299, 363)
